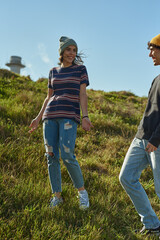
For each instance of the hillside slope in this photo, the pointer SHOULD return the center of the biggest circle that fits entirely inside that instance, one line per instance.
(24, 183)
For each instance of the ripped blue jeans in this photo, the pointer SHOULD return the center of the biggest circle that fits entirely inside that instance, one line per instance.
(60, 134)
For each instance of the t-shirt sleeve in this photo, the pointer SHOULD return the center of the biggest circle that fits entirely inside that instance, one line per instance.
(84, 76)
(49, 80)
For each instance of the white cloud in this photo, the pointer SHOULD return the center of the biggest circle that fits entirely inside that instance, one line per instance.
(43, 54)
(25, 71)
(29, 70)
(29, 65)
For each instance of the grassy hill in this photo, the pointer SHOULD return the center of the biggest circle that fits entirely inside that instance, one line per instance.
(24, 185)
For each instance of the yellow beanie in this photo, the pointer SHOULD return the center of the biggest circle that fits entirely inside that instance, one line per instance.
(156, 40)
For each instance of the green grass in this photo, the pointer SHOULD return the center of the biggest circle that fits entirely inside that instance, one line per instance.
(24, 185)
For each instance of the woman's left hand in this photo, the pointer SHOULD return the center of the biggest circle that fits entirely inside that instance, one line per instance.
(86, 124)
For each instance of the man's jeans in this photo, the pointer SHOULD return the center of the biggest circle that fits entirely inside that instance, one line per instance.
(61, 134)
(135, 161)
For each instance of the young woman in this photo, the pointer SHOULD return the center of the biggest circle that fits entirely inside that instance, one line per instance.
(60, 114)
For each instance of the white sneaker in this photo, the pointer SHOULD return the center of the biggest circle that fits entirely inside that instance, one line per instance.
(55, 201)
(83, 200)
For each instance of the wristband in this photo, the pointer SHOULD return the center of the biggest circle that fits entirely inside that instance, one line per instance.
(84, 117)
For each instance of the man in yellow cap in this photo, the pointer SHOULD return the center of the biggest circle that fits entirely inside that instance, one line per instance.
(154, 46)
(144, 151)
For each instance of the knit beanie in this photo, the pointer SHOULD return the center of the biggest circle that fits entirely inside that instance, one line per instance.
(156, 40)
(65, 42)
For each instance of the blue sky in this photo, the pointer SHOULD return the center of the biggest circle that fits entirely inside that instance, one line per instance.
(112, 34)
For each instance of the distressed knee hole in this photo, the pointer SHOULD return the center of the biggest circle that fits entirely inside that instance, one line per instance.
(49, 148)
(51, 154)
(66, 160)
(67, 126)
(66, 149)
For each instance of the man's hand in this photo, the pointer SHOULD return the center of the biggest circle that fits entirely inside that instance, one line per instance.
(150, 148)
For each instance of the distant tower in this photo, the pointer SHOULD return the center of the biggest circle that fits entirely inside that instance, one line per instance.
(15, 64)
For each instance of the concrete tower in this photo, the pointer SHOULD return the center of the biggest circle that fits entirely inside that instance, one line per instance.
(15, 64)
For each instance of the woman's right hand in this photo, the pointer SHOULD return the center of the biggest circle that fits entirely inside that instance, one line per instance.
(33, 125)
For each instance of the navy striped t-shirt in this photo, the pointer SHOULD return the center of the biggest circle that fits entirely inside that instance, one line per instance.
(65, 102)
